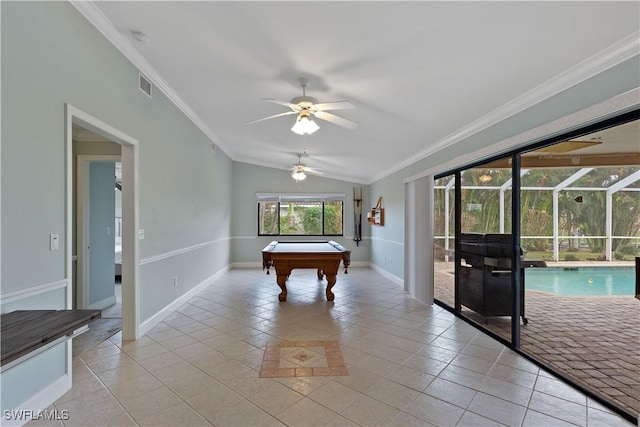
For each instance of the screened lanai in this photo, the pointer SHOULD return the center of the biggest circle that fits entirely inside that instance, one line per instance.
(563, 210)
(569, 299)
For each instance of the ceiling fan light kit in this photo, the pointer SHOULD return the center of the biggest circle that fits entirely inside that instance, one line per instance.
(304, 125)
(306, 107)
(298, 169)
(298, 175)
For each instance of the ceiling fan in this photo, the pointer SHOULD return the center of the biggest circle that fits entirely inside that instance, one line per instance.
(305, 107)
(298, 170)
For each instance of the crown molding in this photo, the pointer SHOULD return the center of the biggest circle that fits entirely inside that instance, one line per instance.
(611, 107)
(104, 25)
(617, 53)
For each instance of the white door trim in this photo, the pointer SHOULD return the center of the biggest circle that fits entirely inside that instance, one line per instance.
(130, 209)
(82, 222)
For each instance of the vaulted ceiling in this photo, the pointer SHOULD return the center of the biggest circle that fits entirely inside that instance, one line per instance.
(420, 74)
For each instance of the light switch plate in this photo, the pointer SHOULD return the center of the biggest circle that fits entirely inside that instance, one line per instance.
(54, 242)
(141, 234)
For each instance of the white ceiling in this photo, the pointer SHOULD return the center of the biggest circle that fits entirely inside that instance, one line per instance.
(420, 74)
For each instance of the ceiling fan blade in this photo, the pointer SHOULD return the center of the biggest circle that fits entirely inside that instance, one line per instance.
(335, 119)
(313, 171)
(306, 169)
(339, 105)
(271, 117)
(285, 103)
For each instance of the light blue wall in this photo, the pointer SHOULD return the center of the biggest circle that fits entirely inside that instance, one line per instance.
(52, 300)
(51, 56)
(43, 370)
(251, 179)
(388, 242)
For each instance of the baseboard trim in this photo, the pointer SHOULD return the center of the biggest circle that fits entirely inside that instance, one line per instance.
(39, 402)
(395, 279)
(100, 305)
(240, 265)
(148, 324)
(366, 264)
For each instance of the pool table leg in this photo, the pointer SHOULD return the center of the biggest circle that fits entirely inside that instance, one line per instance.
(331, 280)
(282, 279)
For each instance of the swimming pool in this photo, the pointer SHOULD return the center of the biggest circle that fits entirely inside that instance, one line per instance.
(582, 281)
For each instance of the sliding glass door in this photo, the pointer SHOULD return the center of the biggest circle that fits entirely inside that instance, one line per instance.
(538, 247)
(485, 246)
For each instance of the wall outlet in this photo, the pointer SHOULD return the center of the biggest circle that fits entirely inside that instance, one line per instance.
(175, 281)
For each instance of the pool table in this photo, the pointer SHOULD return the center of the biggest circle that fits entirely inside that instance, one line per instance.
(323, 256)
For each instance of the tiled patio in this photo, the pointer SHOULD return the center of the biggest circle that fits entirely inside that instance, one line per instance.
(595, 341)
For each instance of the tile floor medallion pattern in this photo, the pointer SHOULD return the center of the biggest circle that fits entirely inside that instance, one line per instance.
(409, 364)
(302, 359)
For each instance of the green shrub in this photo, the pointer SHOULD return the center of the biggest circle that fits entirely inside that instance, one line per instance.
(618, 256)
(570, 257)
(572, 249)
(597, 249)
(626, 250)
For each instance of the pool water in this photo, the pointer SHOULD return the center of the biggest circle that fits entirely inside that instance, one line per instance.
(582, 281)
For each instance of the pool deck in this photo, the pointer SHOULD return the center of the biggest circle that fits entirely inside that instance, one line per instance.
(590, 264)
(595, 341)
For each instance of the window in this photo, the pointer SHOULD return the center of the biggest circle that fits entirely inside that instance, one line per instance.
(300, 214)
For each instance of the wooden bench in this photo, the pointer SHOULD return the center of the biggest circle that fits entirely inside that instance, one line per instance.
(25, 331)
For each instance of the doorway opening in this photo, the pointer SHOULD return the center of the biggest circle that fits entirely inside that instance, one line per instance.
(84, 159)
(98, 235)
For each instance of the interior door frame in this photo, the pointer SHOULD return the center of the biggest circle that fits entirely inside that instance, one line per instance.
(83, 216)
(130, 214)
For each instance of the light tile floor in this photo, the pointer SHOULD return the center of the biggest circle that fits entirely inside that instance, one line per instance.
(408, 365)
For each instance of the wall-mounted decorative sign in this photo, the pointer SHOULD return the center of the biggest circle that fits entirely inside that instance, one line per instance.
(376, 215)
(357, 214)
